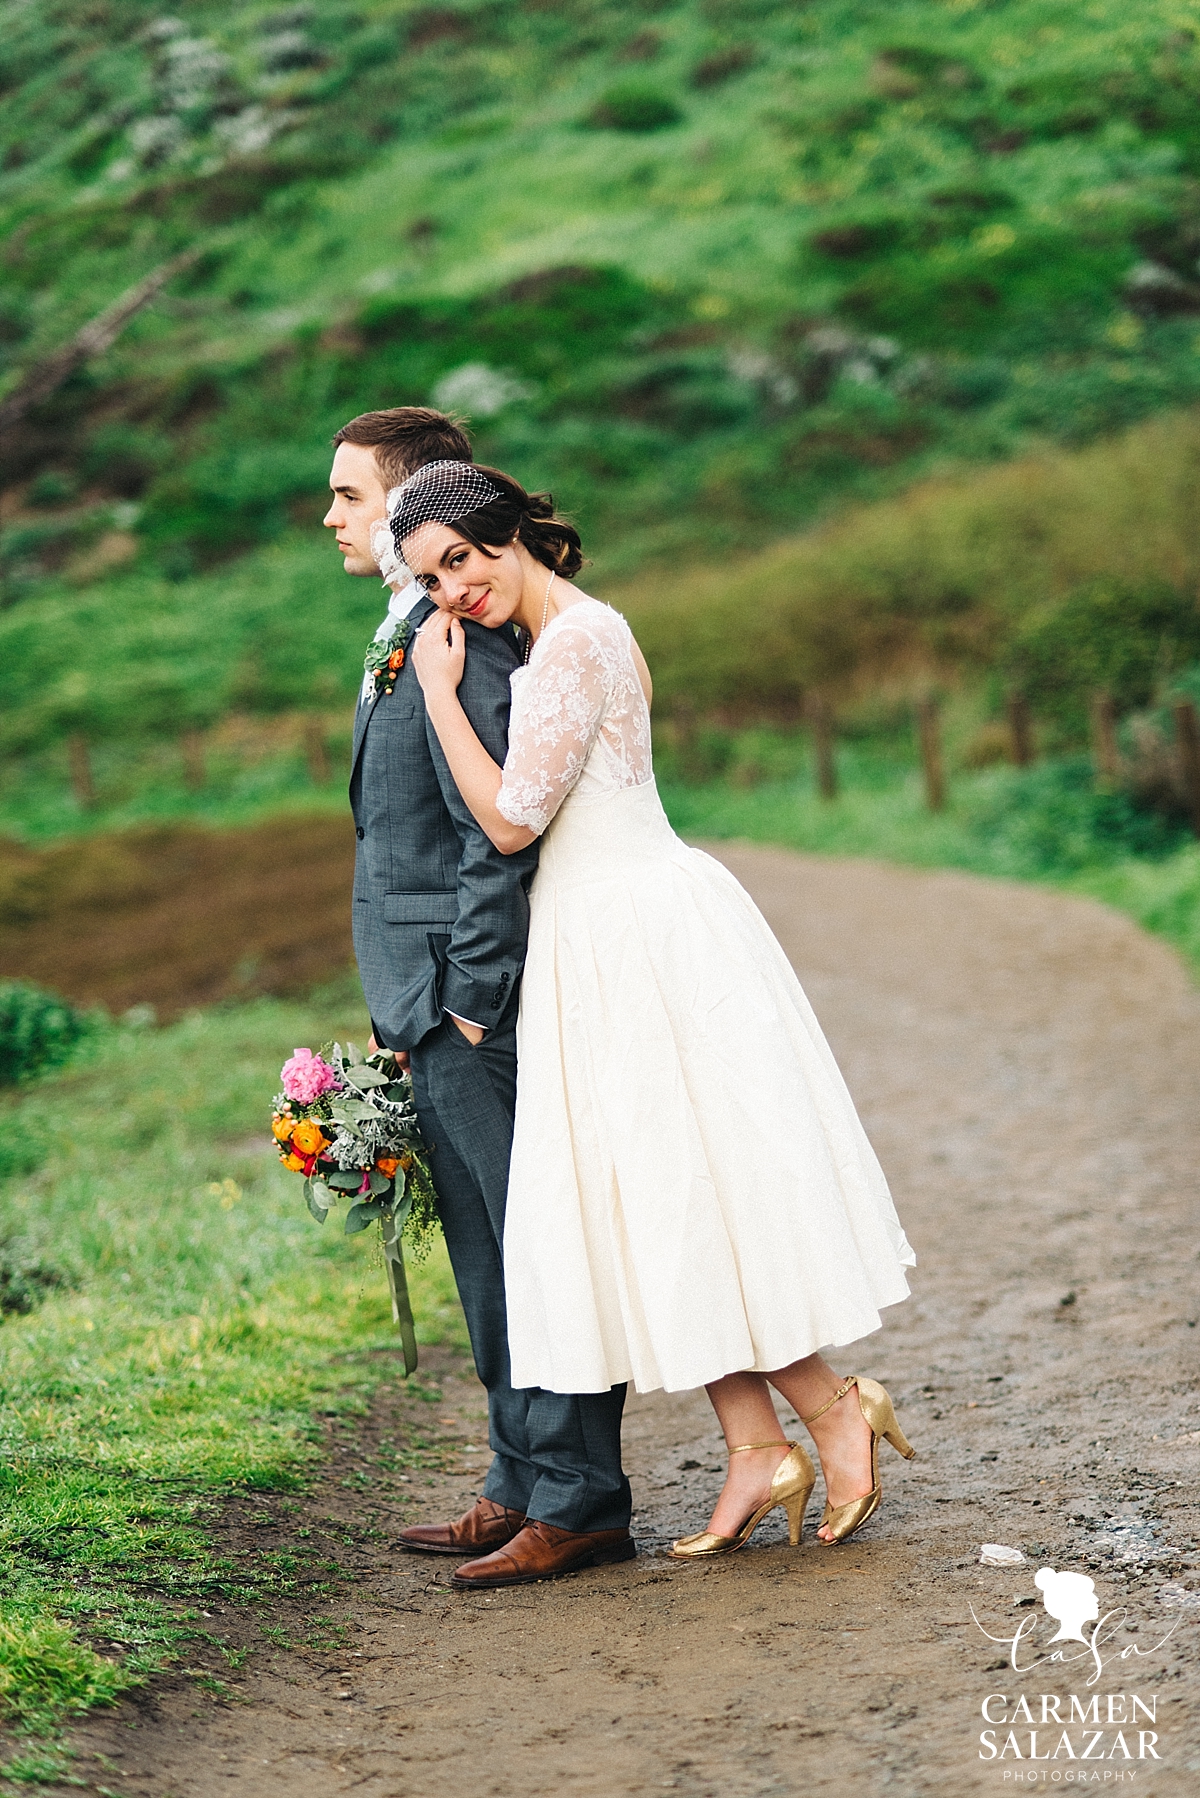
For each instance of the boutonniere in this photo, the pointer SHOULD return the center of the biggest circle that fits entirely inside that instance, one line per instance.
(384, 659)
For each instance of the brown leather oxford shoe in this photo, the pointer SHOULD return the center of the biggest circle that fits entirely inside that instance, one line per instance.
(485, 1526)
(541, 1551)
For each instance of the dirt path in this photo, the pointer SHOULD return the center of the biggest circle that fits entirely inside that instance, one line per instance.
(1029, 1069)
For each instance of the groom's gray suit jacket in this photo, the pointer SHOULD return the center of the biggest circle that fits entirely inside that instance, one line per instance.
(440, 925)
(440, 916)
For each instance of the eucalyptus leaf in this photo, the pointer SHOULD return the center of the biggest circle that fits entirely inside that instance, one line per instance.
(344, 1179)
(354, 1054)
(400, 1213)
(359, 1216)
(360, 1110)
(364, 1076)
(318, 1210)
(400, 1181)
(379, 1182)
(348, 1124)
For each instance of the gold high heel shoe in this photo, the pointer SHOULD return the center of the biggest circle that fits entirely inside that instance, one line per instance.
(876, 1407)
(791, 1487)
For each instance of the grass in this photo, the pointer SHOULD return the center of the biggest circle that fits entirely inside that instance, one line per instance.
(199, 1322)
(252, 774)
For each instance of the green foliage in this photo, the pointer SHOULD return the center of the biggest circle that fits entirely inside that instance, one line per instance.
(24, 1279)
(871, 241)
(1050, 820)
(373, 185)
(20, 1153)
(38, 1030)
(632, 106)
(204, 1322)
(1129, 640)
(967, 573)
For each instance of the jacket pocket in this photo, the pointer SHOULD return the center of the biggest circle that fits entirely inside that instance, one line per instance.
(420, 908)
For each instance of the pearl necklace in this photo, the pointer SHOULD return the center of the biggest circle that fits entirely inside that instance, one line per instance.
(545, 615)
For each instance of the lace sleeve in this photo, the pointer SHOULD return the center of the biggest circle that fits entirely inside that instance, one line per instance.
(558, 708)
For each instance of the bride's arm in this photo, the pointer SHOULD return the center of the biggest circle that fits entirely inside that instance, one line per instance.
(439, 655)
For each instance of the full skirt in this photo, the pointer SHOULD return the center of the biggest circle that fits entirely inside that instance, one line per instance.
(691, 1190)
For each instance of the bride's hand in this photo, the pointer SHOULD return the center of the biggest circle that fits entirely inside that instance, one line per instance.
(440, 654)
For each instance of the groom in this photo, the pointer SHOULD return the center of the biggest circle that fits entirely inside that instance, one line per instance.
(440, 926)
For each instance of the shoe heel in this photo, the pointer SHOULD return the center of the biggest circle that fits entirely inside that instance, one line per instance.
(900, 1442)
(795, 1508)
(877, 1408)
(624, 1551)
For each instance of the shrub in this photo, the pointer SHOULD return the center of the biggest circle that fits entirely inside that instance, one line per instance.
(633, 108)
(1050, 819)
(24, 1279)
(1108, 633)
(21, 1152)
(38, 1030)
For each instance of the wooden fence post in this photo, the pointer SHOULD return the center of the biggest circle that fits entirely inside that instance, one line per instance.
(80, 762)
(195, 774)
(1106, 753)
(821, 718)
(1187, 736)
(929, 730)
(316, 749)
(1020, 725)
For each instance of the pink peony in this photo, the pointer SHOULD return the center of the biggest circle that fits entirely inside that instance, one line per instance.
(305, 1077)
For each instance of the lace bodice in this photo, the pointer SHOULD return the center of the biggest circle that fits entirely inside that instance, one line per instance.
(579, 717)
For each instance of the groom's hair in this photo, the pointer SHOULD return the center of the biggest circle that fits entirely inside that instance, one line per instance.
(404, 438)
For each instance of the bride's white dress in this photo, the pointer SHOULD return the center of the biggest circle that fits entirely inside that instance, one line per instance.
(691, 1191)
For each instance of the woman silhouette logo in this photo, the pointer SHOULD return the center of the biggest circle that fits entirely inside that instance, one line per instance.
(1070, 1598)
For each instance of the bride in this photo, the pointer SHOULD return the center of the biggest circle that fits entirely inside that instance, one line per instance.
(692, 1198)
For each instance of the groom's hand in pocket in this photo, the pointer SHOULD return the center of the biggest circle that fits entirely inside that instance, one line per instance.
(400, 1054)
(472, 1032)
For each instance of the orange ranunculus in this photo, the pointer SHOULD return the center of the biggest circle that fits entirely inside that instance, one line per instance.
(281, 1127)
(308, 1138)
(387, 1164)
(294, 1162)
(396, 660)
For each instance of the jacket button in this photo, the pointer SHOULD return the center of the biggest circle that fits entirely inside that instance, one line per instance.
(360, 833)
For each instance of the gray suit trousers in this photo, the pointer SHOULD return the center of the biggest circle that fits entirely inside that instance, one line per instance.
(557, 1456)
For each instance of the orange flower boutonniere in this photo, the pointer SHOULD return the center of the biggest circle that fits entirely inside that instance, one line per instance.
(384, 659)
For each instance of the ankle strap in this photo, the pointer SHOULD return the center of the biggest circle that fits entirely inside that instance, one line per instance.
(840, 1394)
(745, 1447)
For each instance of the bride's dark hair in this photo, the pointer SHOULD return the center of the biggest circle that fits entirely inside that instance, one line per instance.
(527, 516)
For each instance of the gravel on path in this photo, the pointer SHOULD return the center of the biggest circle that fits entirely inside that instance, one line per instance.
(1028, 1067)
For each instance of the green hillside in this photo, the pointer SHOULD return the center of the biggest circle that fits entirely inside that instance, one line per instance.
(706, 269)
(702, 266)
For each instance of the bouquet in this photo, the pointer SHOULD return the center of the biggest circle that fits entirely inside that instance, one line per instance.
(347, 1122)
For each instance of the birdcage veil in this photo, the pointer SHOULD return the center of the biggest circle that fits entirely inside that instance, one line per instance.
(438, 493)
